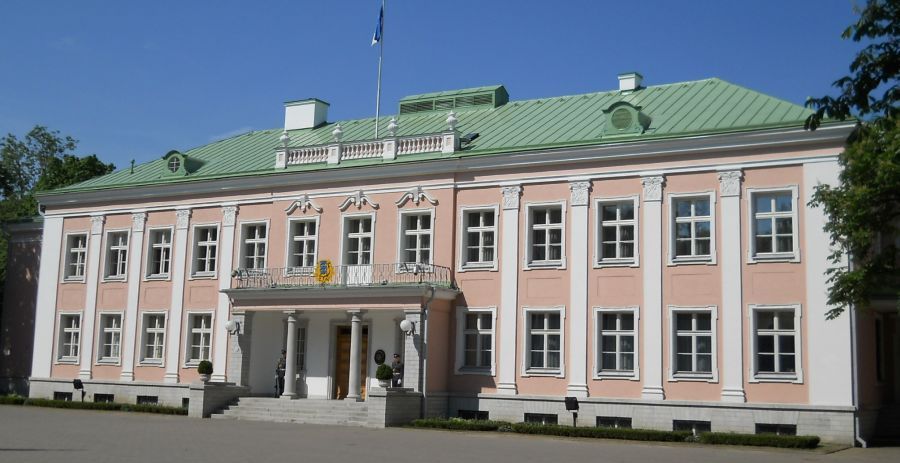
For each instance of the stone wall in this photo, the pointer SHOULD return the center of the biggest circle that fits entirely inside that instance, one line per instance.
(171, 395)
(208, 398)
(392, 407)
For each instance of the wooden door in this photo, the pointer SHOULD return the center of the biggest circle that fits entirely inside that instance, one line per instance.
(342, 362)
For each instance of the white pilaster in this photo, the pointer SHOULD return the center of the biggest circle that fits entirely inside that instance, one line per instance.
(578, 290)
(45, 311)
(652, 241)
(135, 246)
(173, 338)
(95, 254)
(732, 365)
(829, 361)
(226, 259)
(355, 353)
(509, 289)
(290, 367)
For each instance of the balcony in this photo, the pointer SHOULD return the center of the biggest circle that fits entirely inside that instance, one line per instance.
(397, 279)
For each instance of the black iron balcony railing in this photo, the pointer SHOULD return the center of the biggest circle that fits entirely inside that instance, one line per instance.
(342, 276)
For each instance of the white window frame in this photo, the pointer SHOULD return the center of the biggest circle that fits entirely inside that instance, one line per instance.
(188, 361)
(101, 338)
(752, 256)
(528, 263)
(67, 256)
(195, 251)
(708, 260)
(526, 342)
(401, 238)
(289, 246)
(461, 368)
(713, 376)
(145, 336)
(598, 313)
(345, 239)
(107, 249)
(148, 257)
(598, 260)
(797, 377)
(60, 333)
(242, 263)
(464, 266)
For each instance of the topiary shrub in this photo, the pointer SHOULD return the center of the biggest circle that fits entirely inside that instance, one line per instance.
(761, 440)
(602, 433)
(205, 367)
(384, 372)
(12, 400)
(458, 424)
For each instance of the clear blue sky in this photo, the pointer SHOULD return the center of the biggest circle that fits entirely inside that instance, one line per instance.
(132, 80)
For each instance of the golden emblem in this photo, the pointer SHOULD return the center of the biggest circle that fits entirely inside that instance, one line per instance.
(324, 271)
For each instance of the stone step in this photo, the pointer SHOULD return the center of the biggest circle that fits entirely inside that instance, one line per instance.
(311, 411)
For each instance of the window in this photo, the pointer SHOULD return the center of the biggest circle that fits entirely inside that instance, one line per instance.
(76, 256)
(617, 342)
(775, 342)
(617, 232)
(255, 240)
(65, 396)
(415, 236)
(475, 340)
(692, 228)
(479, 238)
(544, 341)
(302, 245)
(777, 429)
(301, 348)
(116, 255)
(359, 241)
(110, 338)
(773, 225)
(69, 337)
(540, 418)
(545, 236)
(159, 257)
(154, 338)
(201, 337)
(478, 415)
(147, 400)
(104, 398)
(693, 343)
(206, 241)
(613, 422)
(696, 427)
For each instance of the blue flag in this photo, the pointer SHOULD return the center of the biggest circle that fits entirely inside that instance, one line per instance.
(376, 37)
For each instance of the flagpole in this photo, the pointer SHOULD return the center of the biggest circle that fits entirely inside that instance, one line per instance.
(380, 58)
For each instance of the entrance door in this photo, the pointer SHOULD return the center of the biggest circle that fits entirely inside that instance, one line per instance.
(342, 363)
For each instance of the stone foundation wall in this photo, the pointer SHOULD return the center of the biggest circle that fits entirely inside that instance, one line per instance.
(171, 395)
(392, 407)
(208, 398)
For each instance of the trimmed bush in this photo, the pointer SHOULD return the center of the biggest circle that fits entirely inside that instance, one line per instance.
(12, 400)
(109, 406)
(602, 433)
(205, 367)
(761, 440)
(460, 424)
(384, 372)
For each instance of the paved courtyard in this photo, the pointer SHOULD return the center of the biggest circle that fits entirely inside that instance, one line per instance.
(31, 434)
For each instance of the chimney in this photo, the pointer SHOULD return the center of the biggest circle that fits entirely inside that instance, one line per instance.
(630, 81)
(305, 114)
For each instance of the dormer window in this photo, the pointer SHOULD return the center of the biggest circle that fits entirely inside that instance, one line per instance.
(176, 163)
(625, 119)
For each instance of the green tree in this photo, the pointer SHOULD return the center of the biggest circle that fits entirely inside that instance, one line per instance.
(864, 208)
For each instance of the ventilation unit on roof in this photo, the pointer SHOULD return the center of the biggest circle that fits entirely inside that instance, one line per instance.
(446, 101)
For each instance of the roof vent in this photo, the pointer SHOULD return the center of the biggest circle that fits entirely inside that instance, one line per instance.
(630, 81)
(305, 114)
(492, 96)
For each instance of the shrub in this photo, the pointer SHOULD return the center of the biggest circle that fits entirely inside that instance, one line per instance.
(764, 440)
(12, 400)
(602, 433)
(102, 406)
(384, 372)
(205, 367)
(460, 424)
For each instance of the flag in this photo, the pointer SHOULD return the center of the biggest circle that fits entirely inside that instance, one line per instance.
(376, 37)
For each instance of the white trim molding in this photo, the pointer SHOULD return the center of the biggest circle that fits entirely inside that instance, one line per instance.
(65, 260)
(460, 368)
(578, 288)
(142, 339)
(193, 273)
(304, 203)
(188, 362)
(598, 261)
(672, 199)
(343, 244)
(463, 239)
(99, 359)
(651, 237)
(416, 195)
(527, 370)
(713, 375)
(527, 262)
(173, 319)
(358, 198)
(58, 358)
(509, 288)
(598, 373)
(752, 374)
(752, 256)
(401, 236)
(732, 287)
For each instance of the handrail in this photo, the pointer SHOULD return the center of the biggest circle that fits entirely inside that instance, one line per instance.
(343, 276)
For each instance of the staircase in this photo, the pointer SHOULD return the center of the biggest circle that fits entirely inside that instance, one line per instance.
(312, 411)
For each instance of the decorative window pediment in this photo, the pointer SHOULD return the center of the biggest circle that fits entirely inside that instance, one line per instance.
(624, 118)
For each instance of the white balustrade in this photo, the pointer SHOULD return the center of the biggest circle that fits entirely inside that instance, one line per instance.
(365, 149)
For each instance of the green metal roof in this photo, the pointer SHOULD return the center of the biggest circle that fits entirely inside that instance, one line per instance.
(676, 110)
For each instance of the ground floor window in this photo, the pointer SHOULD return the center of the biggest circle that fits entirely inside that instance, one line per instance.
(613, 422)
(543, 338)
(104, 398)
(695, 427)
(200, 328)
(472, 415)
(69, 337)
(541, 418)
(110, 338)
(778, 429)
(67, 396)
(776, 342)
(147, 400)
(475, 340)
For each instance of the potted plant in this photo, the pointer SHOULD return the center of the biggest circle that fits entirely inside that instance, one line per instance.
(205, 368)
(384, 374)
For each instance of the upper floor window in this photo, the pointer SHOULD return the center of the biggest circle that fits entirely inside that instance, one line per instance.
(543, 341)
(692, 224)
(117, 255)
(773, 225)
(545, 235)
(479, 238)
(254, 245)
(159, 257)
(110, 338)
(76, 257)
(206, 242)
(415, 236)
(475, 338)
(358, 240)
(303, 242)
(69, 338)
(617, 232)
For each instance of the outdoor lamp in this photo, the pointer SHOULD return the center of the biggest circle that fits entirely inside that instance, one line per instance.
(232, 327)
(407, 327)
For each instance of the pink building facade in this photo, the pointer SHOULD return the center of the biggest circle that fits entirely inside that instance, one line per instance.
(666, 275)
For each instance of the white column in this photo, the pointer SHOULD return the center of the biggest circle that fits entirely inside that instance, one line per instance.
(95, 253)
(355, 352)
(173, 338)
(226, 257)
(578, 309)
(290, 367)
(509, 289)
(45, 311)
(652, 241)
(135, 248)
(732, 365)
(829, 341)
